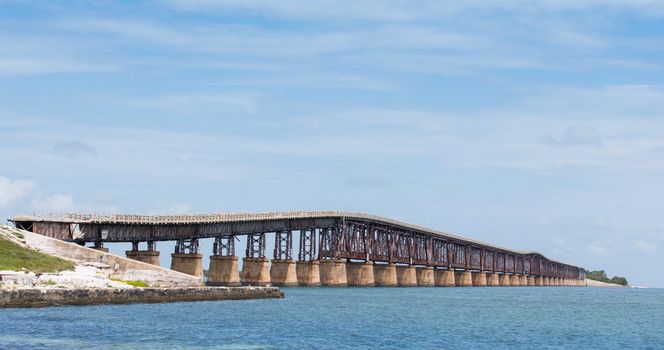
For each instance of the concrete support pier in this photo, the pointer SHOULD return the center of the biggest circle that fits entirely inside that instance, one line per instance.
(308, 273)
(539, 281)
(385, 275)
(191, 264)
(516, 280)
(406, 276)
(524, 280)
(479, 279)
(360, 274)
(424, 276)
(282, 273)
(147, 256)
(463, 278)
(505, 280)
(333, 273)
(223, 271)
(531, 280)
(444, 278)
(255, 271)
(493, 280)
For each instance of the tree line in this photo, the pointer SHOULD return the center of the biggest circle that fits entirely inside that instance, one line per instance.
(602, 277)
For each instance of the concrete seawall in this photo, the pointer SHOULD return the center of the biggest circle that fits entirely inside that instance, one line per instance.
(51, 297)
(115, 266)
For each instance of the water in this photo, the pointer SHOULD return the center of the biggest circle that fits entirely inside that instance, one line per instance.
(345, 318)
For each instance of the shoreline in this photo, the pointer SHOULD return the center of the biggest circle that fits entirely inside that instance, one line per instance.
(43, 297)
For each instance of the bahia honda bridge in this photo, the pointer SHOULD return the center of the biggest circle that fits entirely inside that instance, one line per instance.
(335, 249)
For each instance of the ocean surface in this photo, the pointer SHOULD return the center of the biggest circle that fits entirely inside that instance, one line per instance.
(358, 318)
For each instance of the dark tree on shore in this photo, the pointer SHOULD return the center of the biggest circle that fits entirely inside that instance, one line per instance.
(602, 277)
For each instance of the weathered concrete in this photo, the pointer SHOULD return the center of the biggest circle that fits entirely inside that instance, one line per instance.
(282, 273)
(92, 296)
(524, 280)
(531, 280)
(505, 280)
(424, 276)
(308, 273)
(385, 275)
(463, 278)
(494, 280)
(406, 276)
(539, 281)
(101, 249)
(444, 278)
(255, 271)
(191, 264)
(147, 256)
(114, 266)
(360, 274)
(333, 273)
(516, 280)
(223, 271)
(479, 279)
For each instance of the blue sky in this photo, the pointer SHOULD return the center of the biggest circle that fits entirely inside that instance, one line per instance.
(532, 125)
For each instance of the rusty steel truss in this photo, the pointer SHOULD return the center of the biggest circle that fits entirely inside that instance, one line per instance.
(323, 235)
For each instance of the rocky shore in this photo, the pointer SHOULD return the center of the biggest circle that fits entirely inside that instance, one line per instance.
(39, 297)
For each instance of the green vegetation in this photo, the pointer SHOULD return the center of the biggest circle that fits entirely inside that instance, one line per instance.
(140, 284)
(602, 277)
(16, 258)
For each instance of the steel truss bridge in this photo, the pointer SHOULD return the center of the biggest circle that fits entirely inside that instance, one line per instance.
(323, 235)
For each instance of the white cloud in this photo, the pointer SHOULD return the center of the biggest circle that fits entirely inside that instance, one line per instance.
(644, 247)
(14, 190)
(57, 203)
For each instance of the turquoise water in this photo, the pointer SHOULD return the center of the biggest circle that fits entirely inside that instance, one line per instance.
(345, 318)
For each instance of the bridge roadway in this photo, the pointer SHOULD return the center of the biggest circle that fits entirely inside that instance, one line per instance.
(335, 249)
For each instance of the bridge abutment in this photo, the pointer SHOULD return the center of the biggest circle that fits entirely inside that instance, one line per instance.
(385, 275)
(444, 278)
(360, 274)
(333, 273)
(406, 276)
(424, 276)
(479, 279)
(282, 273)
(223, 271)
(308, 273)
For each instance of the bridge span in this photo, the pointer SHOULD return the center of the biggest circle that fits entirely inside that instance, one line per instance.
(335, 249)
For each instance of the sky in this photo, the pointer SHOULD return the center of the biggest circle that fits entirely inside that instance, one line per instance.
(535, 125)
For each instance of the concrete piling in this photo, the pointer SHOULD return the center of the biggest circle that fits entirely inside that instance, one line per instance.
(282, 273)
(223, 271)
(385, 275)
(191, 264)
(255, 271)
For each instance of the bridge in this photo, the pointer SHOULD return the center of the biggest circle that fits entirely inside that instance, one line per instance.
(335, 249)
